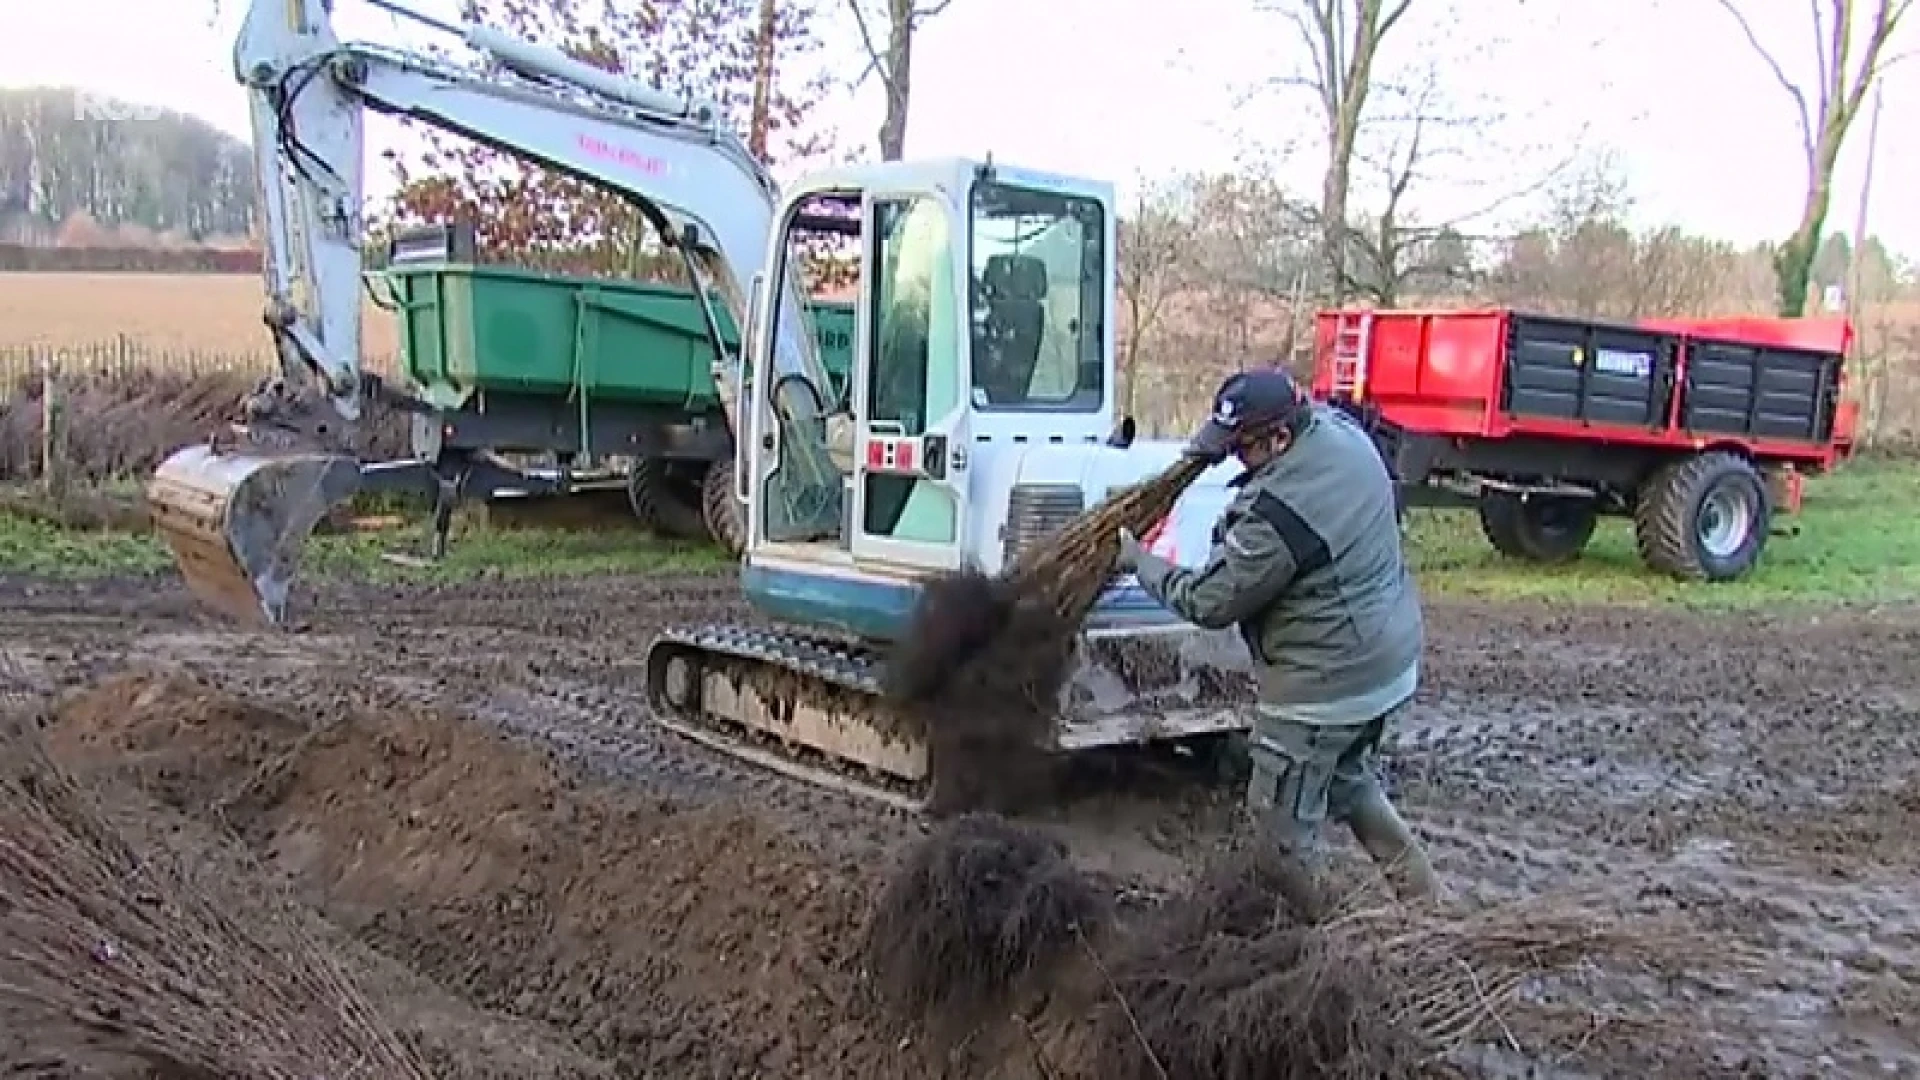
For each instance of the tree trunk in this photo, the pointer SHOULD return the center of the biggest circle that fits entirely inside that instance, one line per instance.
(1130, 357)
(899, 79)
(1333, 209)
(1793, 265)
(761, 119)
(1346, 101)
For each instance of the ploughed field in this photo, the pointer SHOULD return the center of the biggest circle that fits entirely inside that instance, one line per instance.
(457, 791)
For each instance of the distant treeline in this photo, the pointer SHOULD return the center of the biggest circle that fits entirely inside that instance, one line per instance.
(63, 153)
(25, 258)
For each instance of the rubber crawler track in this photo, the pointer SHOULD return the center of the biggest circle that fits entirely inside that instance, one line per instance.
(778, 662)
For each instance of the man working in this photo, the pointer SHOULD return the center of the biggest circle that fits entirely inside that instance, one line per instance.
(1306, 562)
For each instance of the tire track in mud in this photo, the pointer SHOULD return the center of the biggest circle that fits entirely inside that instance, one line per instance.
(1757, 773)
(557, 663)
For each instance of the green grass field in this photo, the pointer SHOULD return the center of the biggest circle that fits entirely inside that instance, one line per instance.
(36, 547)
(1859, 541)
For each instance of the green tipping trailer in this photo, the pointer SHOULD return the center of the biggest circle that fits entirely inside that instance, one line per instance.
(613, 378)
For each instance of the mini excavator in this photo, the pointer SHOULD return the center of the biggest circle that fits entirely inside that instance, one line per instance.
(980, 417)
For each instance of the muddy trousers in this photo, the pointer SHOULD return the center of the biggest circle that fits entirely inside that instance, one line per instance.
(1304, 774)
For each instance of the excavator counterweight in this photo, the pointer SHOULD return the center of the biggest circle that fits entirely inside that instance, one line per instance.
(237, 521)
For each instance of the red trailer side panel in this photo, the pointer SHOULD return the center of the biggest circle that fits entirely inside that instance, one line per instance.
(1820, 333)
(1435, 372)
(1444, 373)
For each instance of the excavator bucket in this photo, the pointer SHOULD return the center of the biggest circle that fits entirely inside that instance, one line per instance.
(237, 521)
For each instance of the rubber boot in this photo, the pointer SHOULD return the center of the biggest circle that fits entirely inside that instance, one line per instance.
(1292, 862)
(1399, 854)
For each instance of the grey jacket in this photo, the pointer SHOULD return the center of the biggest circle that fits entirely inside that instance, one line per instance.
(1306, 562)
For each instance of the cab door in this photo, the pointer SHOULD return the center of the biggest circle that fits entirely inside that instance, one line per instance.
(909, 383)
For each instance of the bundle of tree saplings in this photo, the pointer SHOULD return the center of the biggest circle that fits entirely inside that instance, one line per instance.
(1258, 969)
(126, 949)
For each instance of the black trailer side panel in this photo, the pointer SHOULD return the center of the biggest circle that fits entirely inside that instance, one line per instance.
(542, 423)
(1583, 372)
(1760, 392)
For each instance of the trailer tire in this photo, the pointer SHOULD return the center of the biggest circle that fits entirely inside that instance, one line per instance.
(654, 496)
(725, 517)
(1703, 518)
(1543, 528)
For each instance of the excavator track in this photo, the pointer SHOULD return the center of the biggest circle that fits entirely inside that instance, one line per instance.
(801, 704)
(809, 705)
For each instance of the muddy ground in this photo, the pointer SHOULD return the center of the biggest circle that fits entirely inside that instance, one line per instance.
(590, 896)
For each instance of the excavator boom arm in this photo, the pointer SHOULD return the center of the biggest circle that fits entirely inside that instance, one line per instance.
(667, 154)
(238, 509)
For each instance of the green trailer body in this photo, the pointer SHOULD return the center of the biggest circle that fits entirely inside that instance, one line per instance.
(515, 363)
(469, 329)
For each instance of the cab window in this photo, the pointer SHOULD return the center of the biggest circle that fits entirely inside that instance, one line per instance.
(1038, 300)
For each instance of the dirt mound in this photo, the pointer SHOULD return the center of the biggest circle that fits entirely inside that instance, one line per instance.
(971, 911)
(140, 944)
(122, 425)
(133, 950)
(669, 941)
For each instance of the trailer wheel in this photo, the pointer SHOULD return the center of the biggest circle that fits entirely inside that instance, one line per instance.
(659, 502)
(1538, 528)
(1703, 518)
(725, 517)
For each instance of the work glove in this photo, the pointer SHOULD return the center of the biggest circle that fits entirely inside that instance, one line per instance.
(1130, 551)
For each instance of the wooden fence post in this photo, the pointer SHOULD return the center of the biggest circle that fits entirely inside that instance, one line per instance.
(53, 432)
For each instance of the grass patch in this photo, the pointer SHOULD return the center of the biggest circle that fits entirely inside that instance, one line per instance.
(30, 545)
(1857, 542)
(34, 543)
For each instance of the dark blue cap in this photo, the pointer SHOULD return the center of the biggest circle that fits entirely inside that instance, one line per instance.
(1248, 405)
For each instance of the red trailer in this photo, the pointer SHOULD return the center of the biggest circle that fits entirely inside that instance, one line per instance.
(1699, 429)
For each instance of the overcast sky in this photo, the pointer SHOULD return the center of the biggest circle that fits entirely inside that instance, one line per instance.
(1112, 89)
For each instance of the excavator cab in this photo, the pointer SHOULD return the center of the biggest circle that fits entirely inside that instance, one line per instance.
(983, 375)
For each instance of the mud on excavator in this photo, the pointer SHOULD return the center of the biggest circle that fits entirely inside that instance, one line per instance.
(980, 415)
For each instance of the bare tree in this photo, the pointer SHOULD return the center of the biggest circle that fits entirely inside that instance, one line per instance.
(1254, 245)
(1382, 256)
(890, 56)
(1419, 128)
(1156, 261)
(1342, 39)
(1825, 114)
(1208, 269)
(1584, 261)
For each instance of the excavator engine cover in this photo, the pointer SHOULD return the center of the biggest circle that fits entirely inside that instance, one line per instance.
(237, 521)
